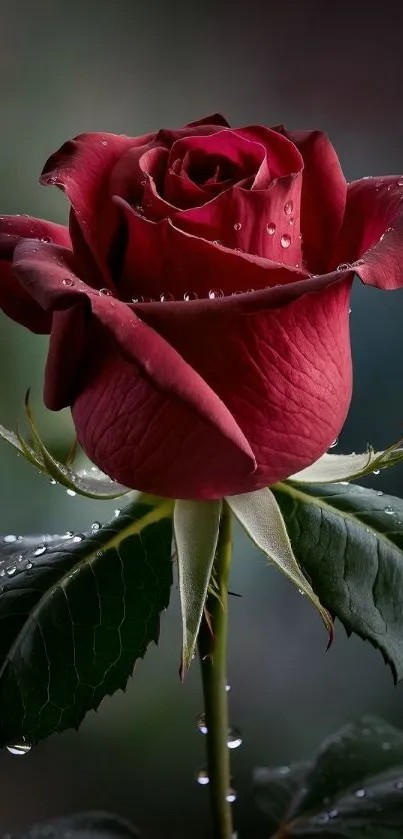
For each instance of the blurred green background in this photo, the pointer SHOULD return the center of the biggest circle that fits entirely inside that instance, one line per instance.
(132, 67)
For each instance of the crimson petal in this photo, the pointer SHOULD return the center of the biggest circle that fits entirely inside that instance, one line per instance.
(372, 234)
(132, 384)
(82, 168)
(323, 197)
(14, 300)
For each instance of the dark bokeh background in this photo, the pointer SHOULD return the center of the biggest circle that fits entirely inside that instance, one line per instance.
(130, 66)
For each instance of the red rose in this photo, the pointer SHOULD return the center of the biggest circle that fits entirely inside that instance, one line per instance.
(197, 306)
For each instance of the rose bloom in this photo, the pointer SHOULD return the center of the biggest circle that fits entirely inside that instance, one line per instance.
(198, 301)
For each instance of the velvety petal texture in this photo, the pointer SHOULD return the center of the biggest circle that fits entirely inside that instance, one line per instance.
(198, 303)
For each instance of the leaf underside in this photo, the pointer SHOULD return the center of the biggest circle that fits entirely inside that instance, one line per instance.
(75, 615)
(348, 540)
(352, 789)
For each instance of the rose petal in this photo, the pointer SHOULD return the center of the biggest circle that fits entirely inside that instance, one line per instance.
(255, 221)
(281, 155)
(323, 197)
(128, 377)
(210, 120)
(283, 370)
(372, 233)
(14, 300)
(82, 168)
(161, 254)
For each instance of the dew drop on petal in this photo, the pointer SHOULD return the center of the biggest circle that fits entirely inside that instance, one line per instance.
(399, 182)
(335, 442)
(237, 225)
(215, 292)
(166, 296)
(46, 239)
(67, 281)
(271, 228)
(202, 777)
(190, 295)
(103, 142)
(217, 241)
(288, 208)
(285, 240)
(344, 266)
(106, 292)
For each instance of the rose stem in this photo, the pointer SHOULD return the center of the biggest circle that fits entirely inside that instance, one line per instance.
(213, 659)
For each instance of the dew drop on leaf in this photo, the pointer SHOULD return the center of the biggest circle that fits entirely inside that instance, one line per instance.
(40, 550)
(230, 796)
(10, 538)
(234, 739)
(201, 724)
(21, 748)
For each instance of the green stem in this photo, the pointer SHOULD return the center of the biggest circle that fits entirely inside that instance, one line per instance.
(213, 659)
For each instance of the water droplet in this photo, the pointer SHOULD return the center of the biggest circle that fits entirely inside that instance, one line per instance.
(215, 292)
(234, 739)
(19, 748)
(376, 471)
(399, 785)
(104, 142)
(78, 538)
(227, 688)
(41, 549)
(139, 209)
(2, 572)
(271, 228)
(344, 266)
(217, 242)
(28, 566)
(344, 483)
(288, 208)
(386, 746)
(67, 281)
(360, 793)
(190, 295)
(322, 818)
(301, 592)
(53, 482)
(106, 292)
(166, 296)
(116, 513)
(11, 570)
(10, 538)
(291, 220)
(139, 299)
(143, 182)
(333, 814)
(201, 724)
(202, 777)
(285, 240)
(71, 492)
(46, 239)
(335, 442)
(95, 526)
(389, 511)
(399, 182)
(230, 796)
(237, 225)
(68, 534)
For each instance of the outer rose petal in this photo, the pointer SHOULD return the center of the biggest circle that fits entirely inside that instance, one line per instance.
(323, 197)
(14, 300)
(130, 385)
(372, 232)
(284, 372)
(82, 168)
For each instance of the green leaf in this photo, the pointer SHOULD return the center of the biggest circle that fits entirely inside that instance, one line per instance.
(90, 483)
(196, 529)
(349, 542)
(260, 515)
(75, 615)
(333, 468)
(92, 825)
(353, 789)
